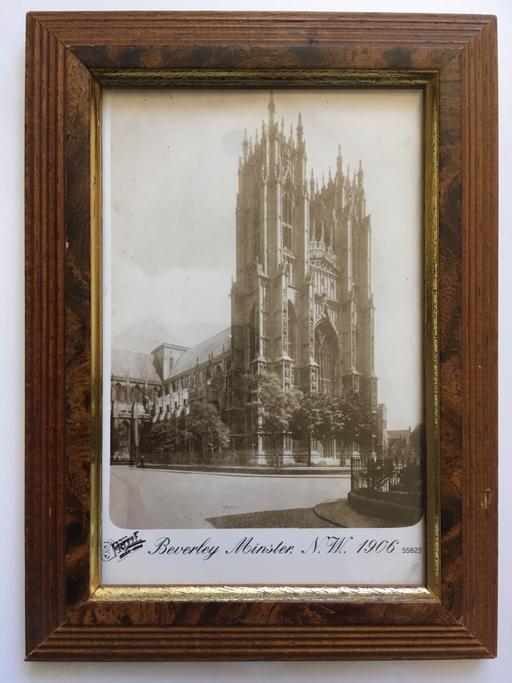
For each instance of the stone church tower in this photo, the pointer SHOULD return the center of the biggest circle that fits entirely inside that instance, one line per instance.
(302, 303)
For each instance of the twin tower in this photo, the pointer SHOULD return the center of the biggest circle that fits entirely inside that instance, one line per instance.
(302, 303)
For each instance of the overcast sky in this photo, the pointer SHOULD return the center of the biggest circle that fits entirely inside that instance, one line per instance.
(170, 183)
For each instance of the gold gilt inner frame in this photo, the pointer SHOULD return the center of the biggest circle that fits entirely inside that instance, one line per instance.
(70, 58)
(290, 79)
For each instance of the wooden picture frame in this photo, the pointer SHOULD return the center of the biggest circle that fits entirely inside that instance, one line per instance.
(70, 58)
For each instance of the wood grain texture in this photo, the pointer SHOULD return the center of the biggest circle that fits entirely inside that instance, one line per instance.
(480, 332)
(66, 54)
(45, 368)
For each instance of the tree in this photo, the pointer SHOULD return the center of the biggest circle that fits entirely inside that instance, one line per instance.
(182, 433)
(353, 421)
(165, 439)
(202, 430)
(276, 407)
(418, 441)
(208, 432)
(345, 418)
(315, 418)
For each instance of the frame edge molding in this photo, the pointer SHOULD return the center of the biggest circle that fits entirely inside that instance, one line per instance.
(52, 55)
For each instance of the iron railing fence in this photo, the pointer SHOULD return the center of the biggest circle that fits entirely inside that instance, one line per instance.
(298, 457)
(386, 475)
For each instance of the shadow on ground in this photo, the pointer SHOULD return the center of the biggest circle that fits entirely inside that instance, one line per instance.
(295, 518)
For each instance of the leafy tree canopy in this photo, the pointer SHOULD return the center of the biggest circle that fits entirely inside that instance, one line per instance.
(202, 429)
(356, 421)
(206, 428)
(316, 416)
(168, 436)
(277, 406)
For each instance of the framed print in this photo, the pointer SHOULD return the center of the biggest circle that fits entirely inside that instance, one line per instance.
(261, 336)
(269, 426)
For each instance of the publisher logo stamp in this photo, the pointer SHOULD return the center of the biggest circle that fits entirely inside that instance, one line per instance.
(122, 547)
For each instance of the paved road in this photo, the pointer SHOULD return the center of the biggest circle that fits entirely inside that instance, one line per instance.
(152, 499)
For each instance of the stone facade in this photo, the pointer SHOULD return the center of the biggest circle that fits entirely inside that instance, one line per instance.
(302, 303)
(146, 388)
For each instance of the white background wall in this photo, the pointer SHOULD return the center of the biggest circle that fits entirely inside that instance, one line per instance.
(12, 667)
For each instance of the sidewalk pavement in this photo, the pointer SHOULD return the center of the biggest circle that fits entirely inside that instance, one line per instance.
(340, 513)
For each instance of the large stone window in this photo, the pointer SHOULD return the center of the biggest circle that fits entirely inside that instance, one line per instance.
(292, 331)
(327, 357)
(256, 225)
(287, 220)
(254, 340)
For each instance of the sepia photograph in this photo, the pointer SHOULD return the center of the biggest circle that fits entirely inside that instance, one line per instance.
(263, 308)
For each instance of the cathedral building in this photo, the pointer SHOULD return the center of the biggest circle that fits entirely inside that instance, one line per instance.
(301, 303)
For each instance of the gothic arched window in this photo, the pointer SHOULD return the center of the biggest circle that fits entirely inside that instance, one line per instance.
(254, 350)
(256, 225)
(292, 331)
(137, 393)
(287, 220)
(326, 355)
(218, 383)
(116, 391)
